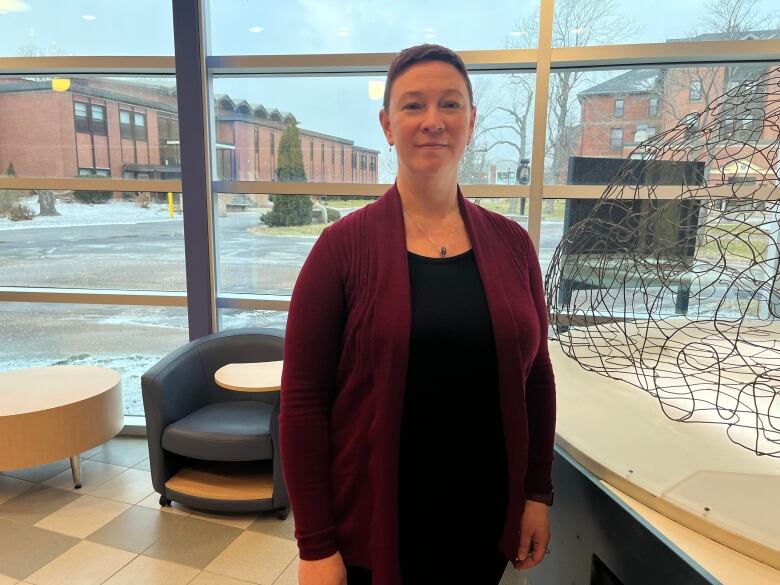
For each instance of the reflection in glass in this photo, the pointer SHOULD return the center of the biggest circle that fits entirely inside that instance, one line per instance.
(91, 239)
(129, 339)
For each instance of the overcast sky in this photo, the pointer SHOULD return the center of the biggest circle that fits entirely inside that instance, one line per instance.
(335, 106)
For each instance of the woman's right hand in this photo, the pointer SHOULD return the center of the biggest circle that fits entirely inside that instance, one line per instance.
(327, 571)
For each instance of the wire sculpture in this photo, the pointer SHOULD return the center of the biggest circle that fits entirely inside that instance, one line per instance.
(670, 282)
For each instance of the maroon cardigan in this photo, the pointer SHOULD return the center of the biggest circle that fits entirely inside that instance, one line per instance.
(345, 360)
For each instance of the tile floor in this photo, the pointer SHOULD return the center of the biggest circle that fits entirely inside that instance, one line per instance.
(113, 530)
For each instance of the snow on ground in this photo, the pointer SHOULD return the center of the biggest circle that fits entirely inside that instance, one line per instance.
(78, 214)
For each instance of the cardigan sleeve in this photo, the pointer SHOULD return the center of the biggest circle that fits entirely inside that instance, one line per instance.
(539, 391)
(311, 353)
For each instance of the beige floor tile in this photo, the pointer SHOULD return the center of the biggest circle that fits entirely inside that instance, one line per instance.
(271, 525)
(136, 529)
(152, 501)
(145, 465)
(255, 557)
(24, 549)
(82, 517)
(213, 579)
(93, 474)
(235, 520)
(10, 487)
(193, 542)
(7, 580)
(40, 473)
(130, 486)
(290, 575)
(35, 504)
(87, 563)
(125, 451)
(148, 571)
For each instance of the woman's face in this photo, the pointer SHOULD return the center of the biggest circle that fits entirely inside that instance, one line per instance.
(430, 118)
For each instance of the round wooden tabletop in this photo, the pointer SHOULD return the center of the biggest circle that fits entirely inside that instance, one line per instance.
(53, 412)
(250, 377)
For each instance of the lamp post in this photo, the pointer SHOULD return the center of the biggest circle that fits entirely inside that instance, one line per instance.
(523, 177)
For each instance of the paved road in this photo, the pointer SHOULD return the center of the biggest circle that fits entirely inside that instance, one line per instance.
(151, 256)
(136, 256)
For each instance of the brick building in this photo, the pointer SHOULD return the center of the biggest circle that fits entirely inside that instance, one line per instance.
(120, 129)
(620, 113)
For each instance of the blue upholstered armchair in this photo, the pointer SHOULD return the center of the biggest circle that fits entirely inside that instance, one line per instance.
(209, 447)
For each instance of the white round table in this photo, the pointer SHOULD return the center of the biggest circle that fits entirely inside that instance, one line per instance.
(53, 412)
(250, 377)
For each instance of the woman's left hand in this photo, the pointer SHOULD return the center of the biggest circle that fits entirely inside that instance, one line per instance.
(534, 535)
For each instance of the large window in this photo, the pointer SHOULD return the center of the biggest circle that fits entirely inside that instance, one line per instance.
(91, 222)
(316, 71)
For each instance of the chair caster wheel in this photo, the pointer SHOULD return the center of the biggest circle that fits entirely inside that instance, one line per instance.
(77, 486)
(164, 502)
(282, 514)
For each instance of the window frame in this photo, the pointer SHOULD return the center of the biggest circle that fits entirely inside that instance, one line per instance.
(652, 107)
(619, 111)
(695, 90)
(613, 144)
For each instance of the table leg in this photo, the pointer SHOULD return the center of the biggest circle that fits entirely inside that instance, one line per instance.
(75, 468)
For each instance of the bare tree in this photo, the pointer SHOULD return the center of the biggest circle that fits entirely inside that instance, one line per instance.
(475, 164)
(576, 23)
(734, 18)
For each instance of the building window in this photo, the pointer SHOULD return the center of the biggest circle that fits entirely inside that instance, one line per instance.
(168, 135)
(643, 132)
(653, 109)
(311, 153)
(90, 118)
(86, 172)
(354, 160)
(132, 125)
(694, 91)
(99, 120)
(619, 108)
(82, 116)
(273, 144)
(333, 155)
(125, 124)
(690, 123)
(257, 140)
(140, 125)
(322, 154)
(616, 139)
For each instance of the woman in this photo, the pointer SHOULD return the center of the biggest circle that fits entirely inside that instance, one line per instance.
(418, 403)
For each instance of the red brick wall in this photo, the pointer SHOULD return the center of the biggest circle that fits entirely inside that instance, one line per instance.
(37, 134)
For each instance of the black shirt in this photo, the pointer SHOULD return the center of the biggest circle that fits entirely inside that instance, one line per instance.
(452, 467)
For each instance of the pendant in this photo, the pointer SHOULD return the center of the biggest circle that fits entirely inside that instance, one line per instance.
(443, 251)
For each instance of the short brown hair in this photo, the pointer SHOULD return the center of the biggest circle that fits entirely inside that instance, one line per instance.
(420, 54)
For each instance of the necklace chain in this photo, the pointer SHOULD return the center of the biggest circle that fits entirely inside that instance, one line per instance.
(441, 249)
